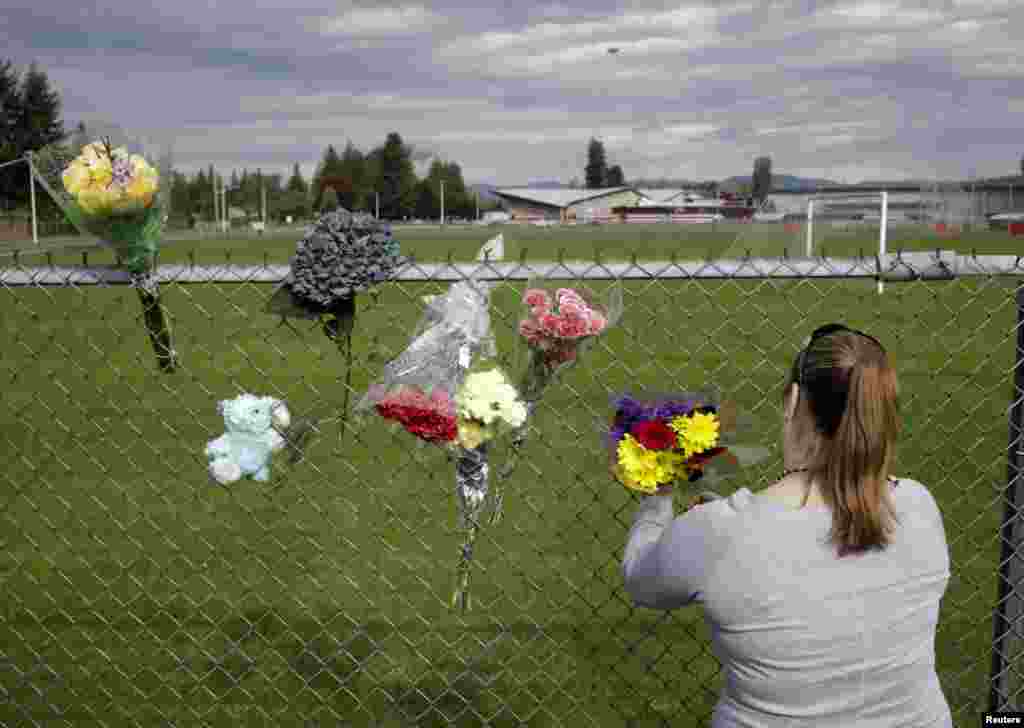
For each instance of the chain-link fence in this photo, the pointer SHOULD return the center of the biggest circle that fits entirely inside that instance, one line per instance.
(137, 592)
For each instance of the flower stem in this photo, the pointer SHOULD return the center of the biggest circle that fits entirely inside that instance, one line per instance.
(348, 381)
(156, 322)
(471, 489)
(460, 596)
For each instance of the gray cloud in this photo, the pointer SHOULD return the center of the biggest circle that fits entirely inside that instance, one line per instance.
(514, 91)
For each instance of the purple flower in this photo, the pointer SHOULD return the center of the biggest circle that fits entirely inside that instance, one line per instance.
(628, 408)
(615, 435)
(121, 171)
(670, 409)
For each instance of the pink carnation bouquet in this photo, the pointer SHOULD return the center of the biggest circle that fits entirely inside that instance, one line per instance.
(556, 331)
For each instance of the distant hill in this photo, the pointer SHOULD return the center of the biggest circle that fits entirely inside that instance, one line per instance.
(544, 184)
(787, 182)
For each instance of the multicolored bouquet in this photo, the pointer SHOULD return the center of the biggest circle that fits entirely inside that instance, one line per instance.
(556, 332)
(117, 196)
(434, 391)
(658, 440)
(340, 255)
(484, 407)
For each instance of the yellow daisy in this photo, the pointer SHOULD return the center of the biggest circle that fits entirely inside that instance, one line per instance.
(644, 469)
(697, 432)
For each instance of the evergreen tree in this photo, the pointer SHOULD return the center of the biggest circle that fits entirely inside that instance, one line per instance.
(596, 170)
(39, 122)
(396, 178)
(353, 169)
(457, 201)
(295, 200)
(29, 120)
(762, 179)
(181, 201)
(428, 204)
(328, 200)
(295, 182)
(10, 110)
(199, 196)
(330, 166)
(615, 177)
(10, 104)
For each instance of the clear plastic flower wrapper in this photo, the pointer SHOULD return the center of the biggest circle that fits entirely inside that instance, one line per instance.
(679, 438)
(558, 328)
(446, 389)
(117, 190)
(340, 255)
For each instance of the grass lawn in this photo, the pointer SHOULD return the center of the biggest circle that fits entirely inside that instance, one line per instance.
(138, 593)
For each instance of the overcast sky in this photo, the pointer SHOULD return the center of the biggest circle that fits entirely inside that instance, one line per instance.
(513, 91)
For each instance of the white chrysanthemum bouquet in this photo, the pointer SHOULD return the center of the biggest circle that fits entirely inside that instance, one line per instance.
(487, 405)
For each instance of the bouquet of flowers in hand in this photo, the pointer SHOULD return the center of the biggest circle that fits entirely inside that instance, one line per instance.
(435, 391)
(657, 440)
(342, 254)
(556, 331)
(117, 196)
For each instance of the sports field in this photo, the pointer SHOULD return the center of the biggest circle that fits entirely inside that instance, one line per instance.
(138, 593)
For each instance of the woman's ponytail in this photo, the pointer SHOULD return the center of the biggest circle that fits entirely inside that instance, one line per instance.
(857, 413)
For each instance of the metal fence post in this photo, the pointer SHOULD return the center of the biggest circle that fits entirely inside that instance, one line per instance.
(1006, 641)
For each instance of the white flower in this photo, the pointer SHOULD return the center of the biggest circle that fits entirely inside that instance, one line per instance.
(225, 471)
(487, 396)
(515, 414)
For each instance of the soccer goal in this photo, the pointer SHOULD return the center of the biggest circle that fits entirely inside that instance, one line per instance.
(852, 219)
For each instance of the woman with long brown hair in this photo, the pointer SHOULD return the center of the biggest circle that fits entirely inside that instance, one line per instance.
(822, 591)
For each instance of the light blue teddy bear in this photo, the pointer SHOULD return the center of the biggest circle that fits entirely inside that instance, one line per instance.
(253, 425)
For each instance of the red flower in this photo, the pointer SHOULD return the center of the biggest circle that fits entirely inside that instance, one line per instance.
(427, 424)
(698, 460)
(654, 435)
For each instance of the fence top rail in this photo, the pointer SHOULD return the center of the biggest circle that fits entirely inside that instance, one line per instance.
(937, 265)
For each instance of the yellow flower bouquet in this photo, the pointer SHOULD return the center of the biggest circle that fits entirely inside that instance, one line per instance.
(118, 197)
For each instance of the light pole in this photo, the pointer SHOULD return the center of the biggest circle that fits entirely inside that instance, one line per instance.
(442, 202)
(377, 197)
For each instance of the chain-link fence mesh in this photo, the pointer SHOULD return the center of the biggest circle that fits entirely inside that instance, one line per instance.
(137, 592)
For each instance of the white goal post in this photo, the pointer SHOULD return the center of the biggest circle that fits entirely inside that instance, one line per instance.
(883, 200)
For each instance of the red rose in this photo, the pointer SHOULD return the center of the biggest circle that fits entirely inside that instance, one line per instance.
(654, 435)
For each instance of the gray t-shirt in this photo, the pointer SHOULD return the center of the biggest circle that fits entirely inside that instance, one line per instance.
(805, 638)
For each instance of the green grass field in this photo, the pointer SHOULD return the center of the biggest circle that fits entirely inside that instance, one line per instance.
(138, 593)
